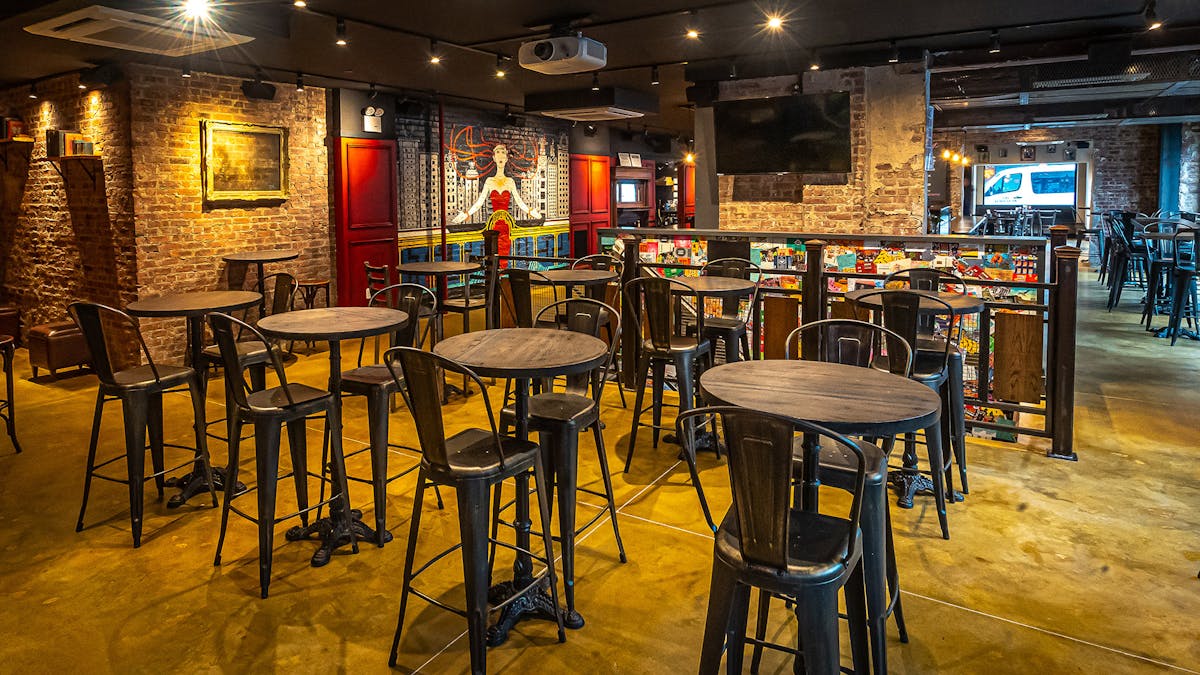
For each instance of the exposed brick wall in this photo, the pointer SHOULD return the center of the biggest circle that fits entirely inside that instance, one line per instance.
(1124, 160)
(67, 238)
(180, 241)
(885, 190)
(1189, 169)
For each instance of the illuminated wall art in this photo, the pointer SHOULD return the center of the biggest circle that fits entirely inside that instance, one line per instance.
(243, 162)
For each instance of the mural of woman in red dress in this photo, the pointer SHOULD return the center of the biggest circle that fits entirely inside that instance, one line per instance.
(501, 191)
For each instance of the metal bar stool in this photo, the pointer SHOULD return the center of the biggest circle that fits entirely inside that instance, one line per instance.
(268, 410)
(7, 410)
(730, 327)
(140, 389)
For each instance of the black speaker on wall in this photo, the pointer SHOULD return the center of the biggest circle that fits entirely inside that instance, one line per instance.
(258, 90)
(1083, 145)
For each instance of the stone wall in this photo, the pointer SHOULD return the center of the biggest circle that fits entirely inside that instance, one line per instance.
(885, 190)
(1189, 169)
(180, 240)
(1124, 161)
(67, 236)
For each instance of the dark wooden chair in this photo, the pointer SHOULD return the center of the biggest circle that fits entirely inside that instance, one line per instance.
(559, 417)
(730, 327)
(473, 462)
(7, 408)
(268, 410)
(663, 344)
(765, 542)
(115, 342)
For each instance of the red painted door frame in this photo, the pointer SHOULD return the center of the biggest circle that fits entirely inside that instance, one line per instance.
(365, 212)
(590, 186)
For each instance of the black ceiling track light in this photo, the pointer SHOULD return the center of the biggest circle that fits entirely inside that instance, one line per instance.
(341, 33)
(654, 81)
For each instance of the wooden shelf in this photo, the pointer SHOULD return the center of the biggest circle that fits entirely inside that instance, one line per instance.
(69, 157)
(5, 141)
(85, 164)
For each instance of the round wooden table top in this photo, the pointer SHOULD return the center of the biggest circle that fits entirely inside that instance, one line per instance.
(524, 352)
(577, 277)
(846, 399)
(262, 256)
(193, 304)
(438, 267)
(332, 323)
(716, 285)
(960, 304)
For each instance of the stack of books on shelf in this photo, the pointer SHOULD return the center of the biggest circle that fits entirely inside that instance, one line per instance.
(13, 129)
(68, 144)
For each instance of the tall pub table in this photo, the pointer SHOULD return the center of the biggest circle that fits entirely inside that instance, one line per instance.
(849, 400)
(523, 354)
(259, 259)
(193, 306)
(910, 481)
(589, 279)
(332, 325)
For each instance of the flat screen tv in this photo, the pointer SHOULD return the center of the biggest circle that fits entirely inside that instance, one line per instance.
(808, 133)
(1030, 184)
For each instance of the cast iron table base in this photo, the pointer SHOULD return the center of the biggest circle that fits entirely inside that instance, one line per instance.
(192, 483)
(908, 484)
(1165, 332)
(534, 604)
(325, 531)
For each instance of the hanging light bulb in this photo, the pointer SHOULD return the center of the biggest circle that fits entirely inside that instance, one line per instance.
(435, 55)
(955, 157)
(946, 154)
(341, 33)
(595, 82)
(966, 161)
(654, 81)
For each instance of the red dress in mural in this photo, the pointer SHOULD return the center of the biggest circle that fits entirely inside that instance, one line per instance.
(501, 191)
(501, 220)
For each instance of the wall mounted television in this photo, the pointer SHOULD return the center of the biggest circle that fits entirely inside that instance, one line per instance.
(1036, 185)
(808, 133)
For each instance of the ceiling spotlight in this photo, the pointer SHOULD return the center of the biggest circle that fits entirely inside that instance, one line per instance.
(815, 64)
(1151, 16)
(654, 75)
(595, 82)
(299, 81)
(196, 9)
(774, 22)
(995, 48)
(690, 158)
(186, 72)
(435, 55)
(341, 33)
(693, 34)
(33, 90)
(81, 85)
(894, 57)
(732, 70)
(300, 3)
(500, 66)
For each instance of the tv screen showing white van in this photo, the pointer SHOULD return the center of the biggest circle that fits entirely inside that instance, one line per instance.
(1029, 184)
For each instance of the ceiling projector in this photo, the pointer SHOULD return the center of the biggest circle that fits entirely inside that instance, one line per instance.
(563, 55)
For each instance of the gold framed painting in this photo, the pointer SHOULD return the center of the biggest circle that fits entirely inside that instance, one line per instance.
(243, 162)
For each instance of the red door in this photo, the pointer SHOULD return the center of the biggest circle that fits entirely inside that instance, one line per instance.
(687, 195)
(590, 193)
(365, 208)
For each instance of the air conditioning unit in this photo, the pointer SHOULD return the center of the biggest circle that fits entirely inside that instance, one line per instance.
(585, 105)
(117, 28)
(563, 55)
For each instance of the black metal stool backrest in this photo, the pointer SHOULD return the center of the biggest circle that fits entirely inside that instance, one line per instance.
(609, 293)
(585, 315)
(109, 333)
(734, 268)
(902, 314)
(414, 300)
(760, 477)
(927, 279)
(283, 291)
(654, 297)
(419, 372)
(226, 332)
(855, 343)
(516, 294)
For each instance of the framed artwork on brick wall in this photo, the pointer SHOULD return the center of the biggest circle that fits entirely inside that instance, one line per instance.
(243, 162)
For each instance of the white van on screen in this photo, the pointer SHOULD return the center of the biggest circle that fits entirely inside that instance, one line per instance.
(1030, 185)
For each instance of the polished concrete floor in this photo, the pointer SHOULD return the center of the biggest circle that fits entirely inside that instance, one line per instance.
(1053, 566)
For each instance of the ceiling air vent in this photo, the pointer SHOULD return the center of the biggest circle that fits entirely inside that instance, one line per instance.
(585, 105)
(108, 27)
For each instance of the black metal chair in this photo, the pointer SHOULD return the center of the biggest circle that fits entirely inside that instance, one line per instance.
(468, 300)
(269, 410)
(473, 462)
(902, 314)
(730, 327)
(609, 294)
(559, 417)
(766, 542)
(375, 382)
(252, 355)
(865, 345)
(663, 344)
(8, 411)
(1184, 300)
(116, 346)
(1160, 256)
(954, 409)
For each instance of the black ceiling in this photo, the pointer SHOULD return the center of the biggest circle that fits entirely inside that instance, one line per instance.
(389, 40)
